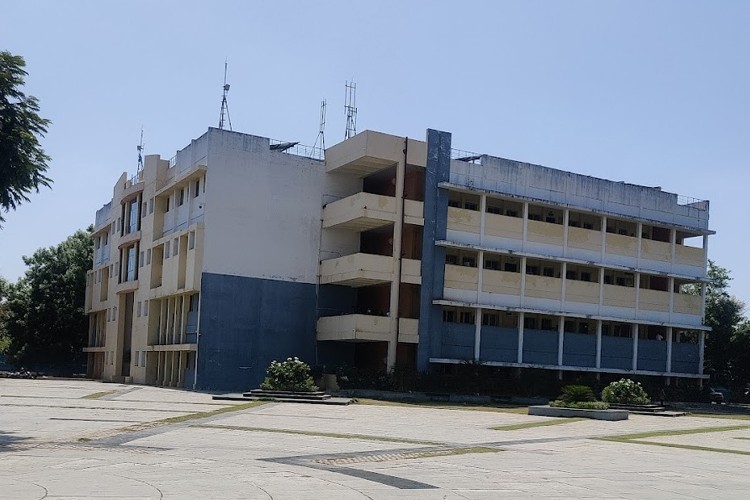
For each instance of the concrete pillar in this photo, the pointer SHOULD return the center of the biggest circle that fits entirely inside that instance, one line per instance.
(482, 217)
(604, 237)
(477, 332)
(525, 223)
(635, 346)
(669, 350)
(701, 347)
(396, 281)
(598, 343)
(673, 243)
(521, 317)
(560, 340)
(523, 280)
(566, 221)
(563, 275)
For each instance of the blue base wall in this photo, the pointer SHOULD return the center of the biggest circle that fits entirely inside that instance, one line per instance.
(685, 357)
(245, 323)
(457, 341)
(652, 355)
(617, 352)
(540, 346)
(579, 349)
(499, 344)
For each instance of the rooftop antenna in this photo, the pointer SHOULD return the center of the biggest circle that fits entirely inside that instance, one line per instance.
(224, 104)
(140, 152)
(321, 130)
(350, 108)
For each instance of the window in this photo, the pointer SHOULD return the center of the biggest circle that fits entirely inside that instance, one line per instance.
(145, 307)
(494, 210)
(166, 209)
(150, 206)
(467, 317)
(143, 209)
(489, 319)
(105, 239)
(197, 189)
(511, 213)
(571, 275)
(166, 250)
(138, 309)
(549, 272)
(148, 257)
(130, 264)
(451, 259)
(532, 270)
(585, 276)
(191, 240)
(182, 197)
(529, 323)
(140, 260)
(193, 305)
(454, 203)
(204, 183)
(583, 327)
(547, 324)
(175, 246)
(449, 316)
(98, 242)
(492, 264)
(470, 205)
(511, 267)
(469, 262)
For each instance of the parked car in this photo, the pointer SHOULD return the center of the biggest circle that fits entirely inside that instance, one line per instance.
(719, 394)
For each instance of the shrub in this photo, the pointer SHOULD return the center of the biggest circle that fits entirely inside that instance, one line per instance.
(576, 394)
(581, 405)
(625, 391)
(289, 375)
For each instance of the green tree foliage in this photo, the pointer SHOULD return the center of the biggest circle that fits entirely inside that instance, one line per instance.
(726, 345)
(22, 159)
(44, 317)
(576, 394)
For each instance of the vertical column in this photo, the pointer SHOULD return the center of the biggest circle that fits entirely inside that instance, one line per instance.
(525, 223)
(477, 332)
(566, 220)
(670, 285)
(701, 347)
(703, 302)
(521, 318)
(637, 293)
(560, 340)
(669, 349)
(601, 289)
(635, 346)
(639, 238)
(598, 343)
(673, 244)
(604, 237)
(396, 282)
(482, 217)
(563, 275)
(523, 280)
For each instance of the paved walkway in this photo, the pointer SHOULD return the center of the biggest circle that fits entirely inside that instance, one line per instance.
(82, 439)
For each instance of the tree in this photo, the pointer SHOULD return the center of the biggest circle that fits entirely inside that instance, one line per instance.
(724, 314)
(22, 159)
(44, 319)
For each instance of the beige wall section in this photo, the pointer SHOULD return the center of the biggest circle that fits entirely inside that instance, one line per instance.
(653, 300)
(461, 219)
(411, 271)
(354, 327)
(501, 282)
(503, 226)
(544, 232)
(619, 296)
(691, 256)
(622, 245)
(414, 212)
(460, 277)
(585, 239)
(358, 269)
(370, 151)
(656, 250)
(360, 211)
(543, 287)
(687, 304)
(582, 291)
(408, 330)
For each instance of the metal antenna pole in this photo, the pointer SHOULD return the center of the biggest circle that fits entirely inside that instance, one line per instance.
(224, 103)
(321, 131)
(350, 108)
(140, 152)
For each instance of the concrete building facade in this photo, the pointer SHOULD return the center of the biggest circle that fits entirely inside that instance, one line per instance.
(391, 251)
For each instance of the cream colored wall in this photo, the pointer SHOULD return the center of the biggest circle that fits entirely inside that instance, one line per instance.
(687, 304)
(585, 239)
(354, 327)
(503, 226)
(408, 330)
(619, 296)
(582, 291)
(411, 271)
(367, 205)
(544, 232)
(622, 245)
(543, 287)
(461, 277)
(357, 266)
(501, 282)
(656, 250)
(653, 300)
(461, 219)
(691, 256)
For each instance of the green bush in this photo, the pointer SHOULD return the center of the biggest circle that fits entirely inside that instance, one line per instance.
(289, 375)
(576, 394)
(580, 405)
(625, 391)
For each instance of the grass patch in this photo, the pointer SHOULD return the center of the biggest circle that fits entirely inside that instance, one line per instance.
(529, 425)
(499, 408)
(335, 435)
(97, 395)
(642, 438)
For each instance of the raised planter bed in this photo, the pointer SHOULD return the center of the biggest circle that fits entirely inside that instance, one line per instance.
(549, 411)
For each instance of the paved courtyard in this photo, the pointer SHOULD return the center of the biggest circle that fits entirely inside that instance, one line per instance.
(83, 439)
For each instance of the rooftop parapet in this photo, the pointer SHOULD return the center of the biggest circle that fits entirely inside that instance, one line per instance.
(547, 185)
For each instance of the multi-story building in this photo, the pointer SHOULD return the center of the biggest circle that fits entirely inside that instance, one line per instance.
(390, 251)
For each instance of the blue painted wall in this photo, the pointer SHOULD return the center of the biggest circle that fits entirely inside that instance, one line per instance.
(245, 323)
(499, 344)
(652, 355)
(579, 349)
(433, 258)
(540, 346)
(457, 341)
(685, 358)
(617, 352)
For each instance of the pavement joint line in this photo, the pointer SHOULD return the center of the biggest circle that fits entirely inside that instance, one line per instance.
(642, 438)
(156, 410)
(530, 425)
(364, 437)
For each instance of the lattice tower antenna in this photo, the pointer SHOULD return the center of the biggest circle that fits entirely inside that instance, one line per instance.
(224, 104)
(140, 152)
(350, 108)
(322, 128)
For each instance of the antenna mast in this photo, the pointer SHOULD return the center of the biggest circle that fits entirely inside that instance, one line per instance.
(140, 152)
(350, 108)
(321, 129)
(224, 104)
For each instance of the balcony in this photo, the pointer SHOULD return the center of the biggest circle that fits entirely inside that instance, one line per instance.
(354, 327)
(364, 154)
(408, 330)
(360, 212)
(357, 270)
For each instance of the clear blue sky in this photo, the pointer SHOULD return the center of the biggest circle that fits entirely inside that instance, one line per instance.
(653, 93)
